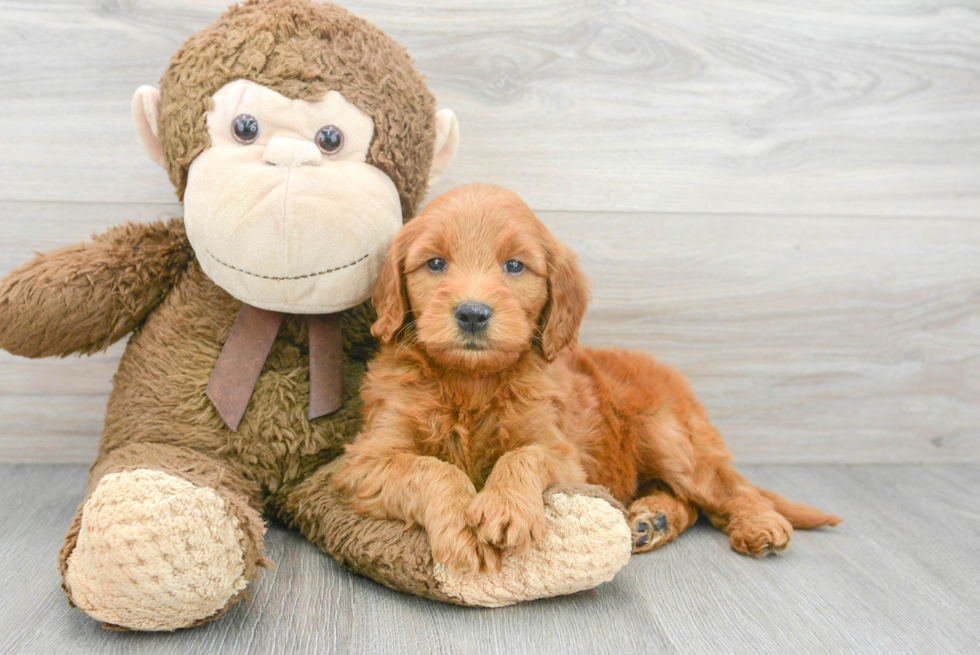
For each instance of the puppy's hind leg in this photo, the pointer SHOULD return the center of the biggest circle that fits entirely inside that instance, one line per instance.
(757, 522)
(681, 448)
(658, 517)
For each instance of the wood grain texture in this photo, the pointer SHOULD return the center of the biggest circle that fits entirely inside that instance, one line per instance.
(842, 340)
(900, 575)
(782, 203)
(704, 106)
(808, 340)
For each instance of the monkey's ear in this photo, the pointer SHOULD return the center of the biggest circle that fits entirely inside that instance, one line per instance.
(447, 142)
(146, 106)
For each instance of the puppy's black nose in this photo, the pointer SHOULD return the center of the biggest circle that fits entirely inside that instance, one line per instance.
(473, 316)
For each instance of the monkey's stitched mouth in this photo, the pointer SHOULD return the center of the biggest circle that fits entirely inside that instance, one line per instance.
(294, 277)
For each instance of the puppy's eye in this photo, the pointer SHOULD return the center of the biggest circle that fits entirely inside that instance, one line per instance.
(245, 128)
(330, 139)
(514, 267)
(436, 265)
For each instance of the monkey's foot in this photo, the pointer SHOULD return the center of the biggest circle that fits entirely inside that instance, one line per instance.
(586, 542)
(155, 552)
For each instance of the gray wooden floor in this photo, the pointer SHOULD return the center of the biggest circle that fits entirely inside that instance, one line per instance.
(900, 575)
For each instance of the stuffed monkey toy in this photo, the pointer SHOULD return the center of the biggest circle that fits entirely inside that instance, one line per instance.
(299, 138)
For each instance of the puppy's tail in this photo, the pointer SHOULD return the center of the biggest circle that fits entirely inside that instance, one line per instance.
(800, 516)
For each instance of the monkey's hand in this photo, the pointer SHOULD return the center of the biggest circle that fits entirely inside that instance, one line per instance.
(83, 297)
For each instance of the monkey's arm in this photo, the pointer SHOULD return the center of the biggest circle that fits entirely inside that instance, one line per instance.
(588, 542)
(83, 297)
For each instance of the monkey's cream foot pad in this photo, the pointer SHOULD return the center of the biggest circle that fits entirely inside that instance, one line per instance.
(588, 541)
(155, 552)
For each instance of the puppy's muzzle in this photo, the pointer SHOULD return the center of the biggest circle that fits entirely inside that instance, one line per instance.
(473, 317)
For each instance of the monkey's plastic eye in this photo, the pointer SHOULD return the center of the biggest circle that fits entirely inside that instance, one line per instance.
(436, 265)
(245, 128)
(330, 139)
(514, 267)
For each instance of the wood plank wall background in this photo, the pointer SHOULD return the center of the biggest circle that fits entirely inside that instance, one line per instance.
(782, 199)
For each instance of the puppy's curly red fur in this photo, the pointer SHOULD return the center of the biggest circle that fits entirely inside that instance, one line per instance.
(465, 428)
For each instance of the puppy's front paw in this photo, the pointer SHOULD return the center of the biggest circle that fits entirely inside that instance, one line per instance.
(507, 519)
(459, 549)
(362, 490)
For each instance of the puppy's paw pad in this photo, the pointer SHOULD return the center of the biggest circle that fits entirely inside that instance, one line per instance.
(650, 530)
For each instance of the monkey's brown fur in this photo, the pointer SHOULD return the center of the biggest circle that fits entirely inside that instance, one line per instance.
(145, 279)
(280, 46)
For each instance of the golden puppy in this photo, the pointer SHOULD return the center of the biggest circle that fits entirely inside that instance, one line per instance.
(481, 398)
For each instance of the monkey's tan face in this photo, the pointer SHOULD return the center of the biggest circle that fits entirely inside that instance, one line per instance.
(283, 210)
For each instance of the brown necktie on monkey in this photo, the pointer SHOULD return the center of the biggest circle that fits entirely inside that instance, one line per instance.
(243, 356)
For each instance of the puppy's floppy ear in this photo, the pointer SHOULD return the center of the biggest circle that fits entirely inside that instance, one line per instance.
(390, 296)
(568, 297)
